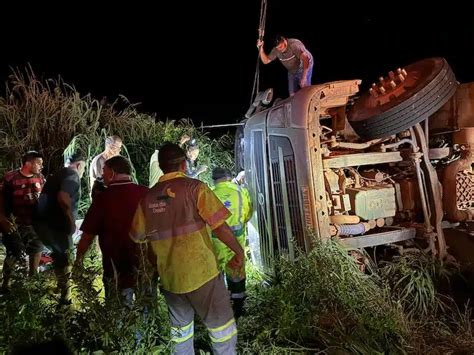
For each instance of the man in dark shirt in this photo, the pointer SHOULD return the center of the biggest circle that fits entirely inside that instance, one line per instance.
(110, 217)
(18, 198)
(55, 221)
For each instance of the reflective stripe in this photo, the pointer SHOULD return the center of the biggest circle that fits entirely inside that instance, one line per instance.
(236, 228)
(237, 231)
(235, 279)
(238, 295)
(181, 334)
(223, 333)
(176, 231)
(239, 193)
(218, 216)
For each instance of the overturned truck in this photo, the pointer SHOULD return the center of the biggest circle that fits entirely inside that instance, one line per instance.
(389, 166)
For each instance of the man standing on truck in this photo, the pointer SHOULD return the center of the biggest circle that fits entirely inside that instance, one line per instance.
(236, 199)
(295, 58)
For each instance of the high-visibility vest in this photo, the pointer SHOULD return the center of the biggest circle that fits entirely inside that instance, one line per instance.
(174, 216)
(237, 200)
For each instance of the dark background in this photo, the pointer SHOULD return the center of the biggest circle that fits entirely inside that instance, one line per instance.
(197, 59)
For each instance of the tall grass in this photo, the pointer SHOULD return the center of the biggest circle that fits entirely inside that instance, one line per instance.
(323, 303)
(323, 300)
(50, 115)
(31, 315)
(414, 278)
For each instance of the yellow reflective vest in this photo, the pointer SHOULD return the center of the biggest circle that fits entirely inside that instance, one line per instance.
(174, 217)
(237, 200)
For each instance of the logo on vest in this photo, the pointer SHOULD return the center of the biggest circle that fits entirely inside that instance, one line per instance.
(163, 200)
(158, 207)
(170, 193)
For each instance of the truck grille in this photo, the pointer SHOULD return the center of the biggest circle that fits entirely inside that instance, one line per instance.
(285, 182)
(264, 223)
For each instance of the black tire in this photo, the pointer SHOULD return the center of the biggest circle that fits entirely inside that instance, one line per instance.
(422, 101)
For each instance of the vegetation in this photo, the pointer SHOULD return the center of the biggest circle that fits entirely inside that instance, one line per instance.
(50, 116)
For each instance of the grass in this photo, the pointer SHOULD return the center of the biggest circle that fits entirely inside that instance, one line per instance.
(321, 303)
(324, 303)
(31, 315)
(51, 116)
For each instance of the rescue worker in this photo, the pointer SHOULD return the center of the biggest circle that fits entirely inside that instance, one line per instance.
(237, 200)
(174, 217)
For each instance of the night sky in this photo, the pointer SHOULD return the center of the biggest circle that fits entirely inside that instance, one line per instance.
(197, 59)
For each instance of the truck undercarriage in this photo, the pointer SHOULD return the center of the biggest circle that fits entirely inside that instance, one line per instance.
(392, 165)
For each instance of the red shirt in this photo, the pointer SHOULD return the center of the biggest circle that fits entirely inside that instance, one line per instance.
(20, 195)
(110, 217)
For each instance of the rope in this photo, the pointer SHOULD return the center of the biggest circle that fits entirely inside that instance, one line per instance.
(261, 32)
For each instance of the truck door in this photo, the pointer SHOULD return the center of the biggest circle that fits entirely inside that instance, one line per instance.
(257, 168)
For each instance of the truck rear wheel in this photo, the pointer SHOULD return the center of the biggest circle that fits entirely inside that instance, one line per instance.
(403, 98)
